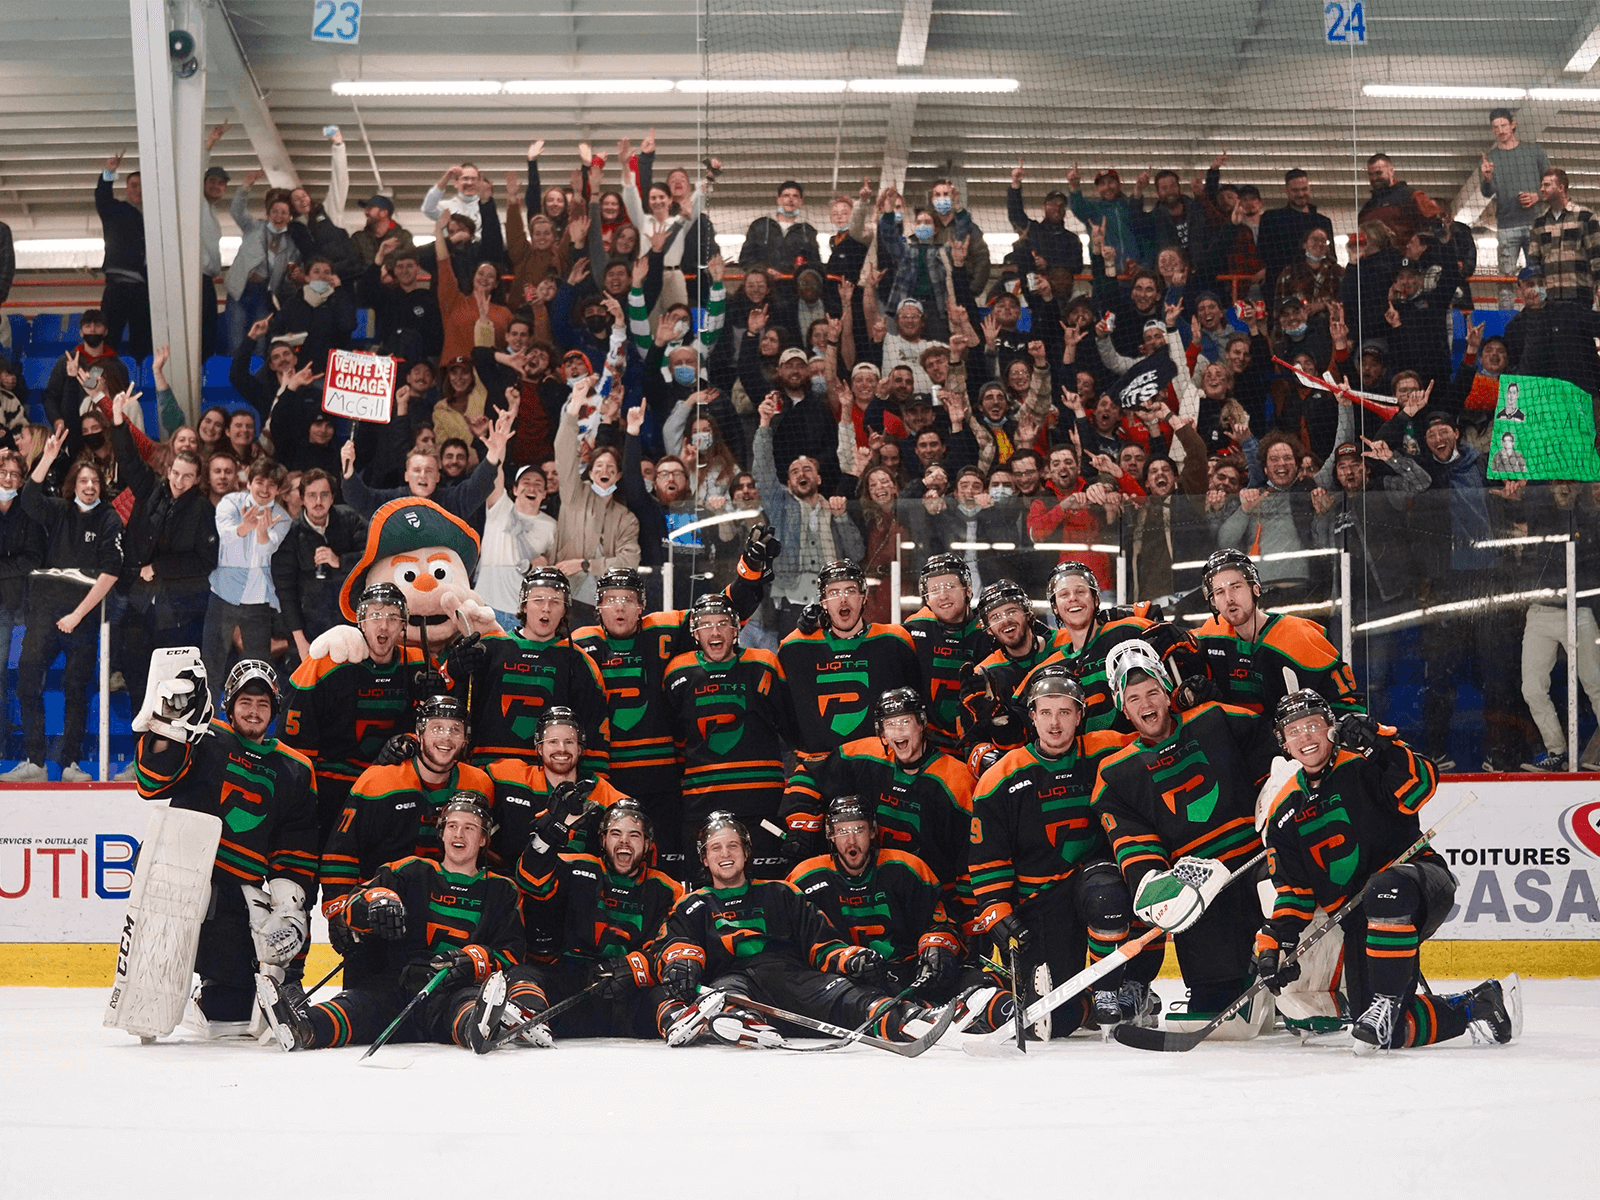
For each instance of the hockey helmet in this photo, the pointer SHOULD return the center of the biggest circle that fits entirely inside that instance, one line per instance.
(468, 802)
(840, 570)
(559, 714)
(899, 702)
(442, 708)
(712, 604)
(1069, 570)
(547, 577)
(998, 595)
(627, 806)
(1055, 680)
(844, 809)
(1229, 560)
(251, 675)
(719, 820)
(944, 564)
(1130, 656)
(376, 594)
(1296, 705)
(627, 579)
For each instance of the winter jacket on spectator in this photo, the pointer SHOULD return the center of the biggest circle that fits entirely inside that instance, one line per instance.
(122, 226)
(1565, 244)
(1364, 292)
(811, 534)
(1051, 240)
(530, 266)
(921, 269)
(458, 312)
(262, 254)
(407, 324)
(90, 542)
(961, 225)
(598, 528)
(1279, 524)
(1280, 244)
(22, 544)
(1122, 233)
(1398, 206)
(328, 320)
(1307, 280)
(768, 243)
(364, 243)
(1449, 518)
(177, 539)
(459, 499)
(1421, 343)
(1376, 531)
(308, 593)
(1556, 341)
(1159, 229)
(806, 426)
(464, 260)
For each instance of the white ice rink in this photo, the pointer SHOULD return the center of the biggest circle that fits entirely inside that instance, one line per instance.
(89, 1112)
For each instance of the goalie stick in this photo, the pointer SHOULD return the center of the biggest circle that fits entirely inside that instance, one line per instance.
(1175, 1041)
(998, 1043)
(903, 1049)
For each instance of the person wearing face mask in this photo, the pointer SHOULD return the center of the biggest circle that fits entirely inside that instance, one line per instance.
(595, 532)
(321, 309)
(1313, 277)
(1553, 338)
(1300, 331)
(63, 394)
(921, 266)
(406, 310)
(782, 239)
(83, 534)
(1284, 233)
(260, 265)
(953, 223)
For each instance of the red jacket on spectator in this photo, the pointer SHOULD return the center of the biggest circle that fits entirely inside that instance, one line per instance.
(1050, 521)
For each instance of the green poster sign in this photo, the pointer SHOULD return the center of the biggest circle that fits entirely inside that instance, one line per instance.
(1543, 429)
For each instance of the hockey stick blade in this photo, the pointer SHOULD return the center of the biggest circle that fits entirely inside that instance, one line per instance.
(1178, 1042)
(903, 1049)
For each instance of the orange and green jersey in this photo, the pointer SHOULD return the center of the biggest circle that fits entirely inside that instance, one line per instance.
(1252, 674)
(518, 680)
(1032, 824)
(1088, 666)
(521, 796)
(942, 650)
(893, 907)
(264, 792)
(584, 911)
(391, 814)
(1005, 675)
(837, 681)
(730, 721)
(339, 715)
(1192, 793)
(723, 928)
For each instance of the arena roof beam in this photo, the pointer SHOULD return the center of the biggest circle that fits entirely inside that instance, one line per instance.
(915, 18)
(226, 63)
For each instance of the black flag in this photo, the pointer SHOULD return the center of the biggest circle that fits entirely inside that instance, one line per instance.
(1146, 380)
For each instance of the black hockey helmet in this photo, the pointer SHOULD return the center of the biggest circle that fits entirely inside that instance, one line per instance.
(1229, 560)
(999, 594)
(1294, 706)
(841, 570)
(1068, 570)
(251, 675)
(375, 594)
(547, 577)
(1055, 680)
(627, 579)
(559, 714)
(442, 708)
(842, 809)
(627, 806)
(712, 604)
(468, 802)
(899, 702)
(719, 820)
(944, 564)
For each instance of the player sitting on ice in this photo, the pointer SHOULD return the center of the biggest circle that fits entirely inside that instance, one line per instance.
(1350, 809)
(762, 939)
(266, 794)
(423, 919)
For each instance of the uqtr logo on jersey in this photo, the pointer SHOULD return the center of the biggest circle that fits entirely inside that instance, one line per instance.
(849, 705)
(1580, 826)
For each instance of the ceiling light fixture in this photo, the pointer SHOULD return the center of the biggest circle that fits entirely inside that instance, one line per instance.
(762, 86)
(1407, 91)
(418, 87)
(1565, 95)
(932, 83)
(592, 87)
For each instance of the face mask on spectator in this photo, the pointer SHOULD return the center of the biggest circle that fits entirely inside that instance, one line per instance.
(276, 228)
(787, 213)
(1316, 258)
(841, 228)
(683, 373)
(968, 510)
(93, 340)
(1000, 491)
(82, 507)
(602, 492)
(320, 286)
(94, 440)
(942, 205)
(702, 440)
(598, 325)
(7, 495)
(819, 385)
(924, 233)
(1295, 331)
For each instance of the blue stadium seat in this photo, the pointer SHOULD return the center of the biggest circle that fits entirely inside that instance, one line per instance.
(363, 323)
(36, 369)
(21, 334)
(145, 378)
(55, 331)
(215, 372)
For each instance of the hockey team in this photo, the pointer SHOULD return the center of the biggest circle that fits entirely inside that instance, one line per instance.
(644, 829)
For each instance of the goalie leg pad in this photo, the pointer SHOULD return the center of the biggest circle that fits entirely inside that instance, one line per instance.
(161, 932)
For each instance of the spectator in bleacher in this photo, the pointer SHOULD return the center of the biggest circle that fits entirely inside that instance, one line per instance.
(1418, 314)
(251, 525)
(806, 425)
(1364, 291)
(1554, 340)
(320, 310)
(323, 544)
(242, 440)
(595, 531)
(1110, 210)
(1313, 275)
(1174, 221)
(1564, 243)
(277, 377)
(1395, 204)
(536, 248)
(126, 300)
(464, 181)
(318, 229)
(13, 400)
(1170, 526)
(526, 366)
(1275, 518)
(460, 311)
(220, 475)
(422, 478)
(1283, 240)
(516, 535)
(1511, 177)
(83, 534)
(1475, 389)
(966, 518)
(1049, 237)
(952, 222)
(63, 393)
(380, 228)
(261, 264)
(169, 552)
(852, 235)
(406, 320)
(22, 547)
(877, 514)
(920, 270)
(782, 240)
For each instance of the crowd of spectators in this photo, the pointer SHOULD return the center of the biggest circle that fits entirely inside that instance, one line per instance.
(586, 382)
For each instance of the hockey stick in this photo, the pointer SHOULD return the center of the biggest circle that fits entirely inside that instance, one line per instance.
(321, 983)
(1174, 1041)
(1020, 1028)
(427, 990)
(855, 1034)
(904, 1049)
(997, 1043)
(543, 1017)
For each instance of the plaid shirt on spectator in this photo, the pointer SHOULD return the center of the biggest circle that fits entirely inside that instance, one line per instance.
(1566, 244)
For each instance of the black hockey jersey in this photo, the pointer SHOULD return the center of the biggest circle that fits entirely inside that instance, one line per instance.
(893, 907)
(837, 681)
(942, 650)
(520, 679)
(730, 721)
(724, 927)
(339, 715)
(1291, 653)
(588, 912)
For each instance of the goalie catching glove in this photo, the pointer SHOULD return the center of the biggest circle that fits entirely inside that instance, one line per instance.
(279, 922)
(177, 698)
(1176, 899)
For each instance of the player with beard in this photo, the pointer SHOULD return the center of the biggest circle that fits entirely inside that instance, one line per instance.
(989, 724)
(919, 797)
(1254, 657)
(610, 911)
(946, 636)
(632, 649)
(1042, 872)
(1350, 809)
(509, 679)
(731, 717)
(1178, 805)
(392, 809)
(883, 899)
(836, 661)
(341, 714)
(763, 940)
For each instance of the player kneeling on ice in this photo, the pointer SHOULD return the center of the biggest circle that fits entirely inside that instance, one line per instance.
(449, 929)
(763, 940)
(255, 917)
(1349, 809)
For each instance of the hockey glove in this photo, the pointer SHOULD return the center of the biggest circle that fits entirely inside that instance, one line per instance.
(1358, 732)
(978, 705)
(1271, 963)
(1176, 899)
(865, 962)
(811, 619)
(936, 966)
(396, 750)
(619, 977)
(1008, 929)
(1197, 689)
(681, 978)
(469, 964)
(386, 914)
(761, 549)
(466, 657)
(798, 845)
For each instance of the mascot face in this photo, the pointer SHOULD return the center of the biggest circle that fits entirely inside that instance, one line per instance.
(434, 581)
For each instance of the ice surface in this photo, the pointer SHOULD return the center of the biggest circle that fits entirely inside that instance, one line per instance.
(88, 1111)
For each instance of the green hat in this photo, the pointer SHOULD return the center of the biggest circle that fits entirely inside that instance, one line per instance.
(402, 526)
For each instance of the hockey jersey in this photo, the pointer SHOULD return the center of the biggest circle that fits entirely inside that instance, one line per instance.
(590, 913)
(521, 796)
(837, 681)
(942, 650)
(1088, 666)
(730, 721)
(339, 715)
(1006, 728)
(893, 907)
(518, 680)
(1291, 653)
(721, 928)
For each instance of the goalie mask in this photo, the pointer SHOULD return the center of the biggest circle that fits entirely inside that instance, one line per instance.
(1127, 658)
(1295, 707)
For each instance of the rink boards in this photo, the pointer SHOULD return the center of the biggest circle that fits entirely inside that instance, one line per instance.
(1527, 856)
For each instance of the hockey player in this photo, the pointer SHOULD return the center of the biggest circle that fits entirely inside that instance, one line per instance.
(946, 636)
(731, 716)
(341, 714)
(1254, 657)
(919, 797)
(1087, 635)
(509, 679)
(392, 810)
(836, 662)
(763, 940)
(266, 794)
(609, 911)
(632, 649)
(1178, 805)
(884, 899)
(990, 724)
(417, 917)
(1350, 809)
(1042, 873)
